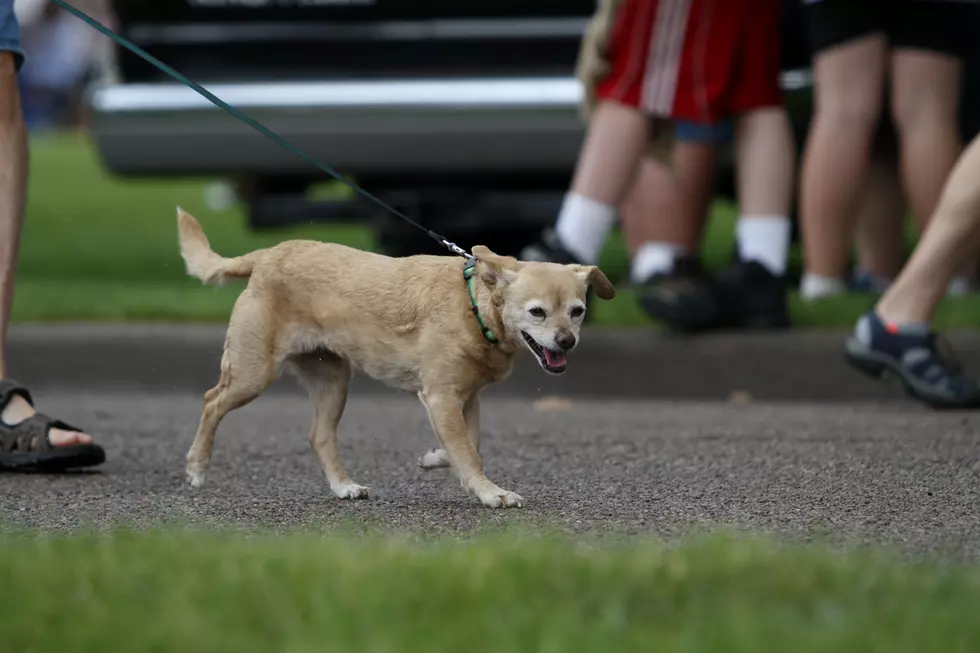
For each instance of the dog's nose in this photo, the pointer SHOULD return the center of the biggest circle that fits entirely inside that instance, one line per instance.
(565, 340)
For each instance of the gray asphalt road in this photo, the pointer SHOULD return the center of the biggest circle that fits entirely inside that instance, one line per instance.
(790, 366)
(873, 472)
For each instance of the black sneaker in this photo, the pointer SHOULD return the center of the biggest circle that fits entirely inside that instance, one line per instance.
(928, 373)
(682, 298)
(751, 297)
(548, 250)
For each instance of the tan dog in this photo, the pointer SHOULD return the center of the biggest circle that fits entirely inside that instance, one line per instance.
(323, 310)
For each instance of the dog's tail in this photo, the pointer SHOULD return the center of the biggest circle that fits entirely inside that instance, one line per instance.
(202, 262)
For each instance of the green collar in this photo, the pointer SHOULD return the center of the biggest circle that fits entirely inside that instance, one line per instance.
(469, 273)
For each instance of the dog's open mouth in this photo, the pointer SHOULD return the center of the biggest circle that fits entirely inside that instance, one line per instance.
(551, 360)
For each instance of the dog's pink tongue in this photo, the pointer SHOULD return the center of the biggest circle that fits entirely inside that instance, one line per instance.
(554, 358)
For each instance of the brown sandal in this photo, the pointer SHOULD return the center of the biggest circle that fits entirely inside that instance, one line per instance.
(25, 446)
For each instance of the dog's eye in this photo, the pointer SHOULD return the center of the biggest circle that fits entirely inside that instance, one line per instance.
(577, 312)
(537, 311)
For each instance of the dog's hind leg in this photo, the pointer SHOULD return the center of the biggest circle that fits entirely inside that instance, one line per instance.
(248, 367)
(437, 458)
(327, 378)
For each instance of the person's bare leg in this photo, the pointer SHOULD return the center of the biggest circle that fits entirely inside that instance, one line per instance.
(897, 336)
(13, 187)
(764, 162)
(606, 168)
(652, 203)
(614, 144)
(925, 101)
(695, 168)
(664, 213)
(952, 237)
(879, 238)
(880, 242)
(666, 233)
(925, 105)
(848, 91)
(13, 178)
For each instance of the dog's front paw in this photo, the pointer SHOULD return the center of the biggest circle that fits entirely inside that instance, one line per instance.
(195, 475)
(350, 491)
(501, 499)
(433, 459)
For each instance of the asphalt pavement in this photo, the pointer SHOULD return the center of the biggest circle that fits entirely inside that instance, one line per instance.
(804, 366)
(888, 472)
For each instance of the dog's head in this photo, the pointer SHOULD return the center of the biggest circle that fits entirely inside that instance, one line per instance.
(541, 305)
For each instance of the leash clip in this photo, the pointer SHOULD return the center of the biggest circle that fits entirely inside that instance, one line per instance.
(454, 248)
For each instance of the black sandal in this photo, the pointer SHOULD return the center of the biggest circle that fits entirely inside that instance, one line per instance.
(25, 446)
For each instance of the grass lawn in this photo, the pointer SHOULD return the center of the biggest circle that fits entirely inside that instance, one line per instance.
(97, 248)
(185, 592)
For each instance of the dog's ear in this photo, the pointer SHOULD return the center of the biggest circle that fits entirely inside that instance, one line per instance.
(593, 276)
(495, 269)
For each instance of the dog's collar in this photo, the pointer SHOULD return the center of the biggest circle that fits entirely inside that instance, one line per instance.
(469, 273)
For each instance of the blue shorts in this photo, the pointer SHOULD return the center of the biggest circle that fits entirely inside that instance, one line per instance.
(702, 132)
(10, 32)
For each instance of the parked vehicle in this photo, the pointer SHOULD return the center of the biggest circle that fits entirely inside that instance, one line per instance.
(464, 115)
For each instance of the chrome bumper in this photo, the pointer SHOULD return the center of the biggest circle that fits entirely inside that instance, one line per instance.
(359, 127)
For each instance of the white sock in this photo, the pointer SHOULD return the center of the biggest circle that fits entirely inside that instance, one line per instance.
(814, 286)
(653, 258)
(583, 225)
(764, 238)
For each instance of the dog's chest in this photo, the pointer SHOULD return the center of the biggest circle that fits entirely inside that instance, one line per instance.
(499, 373)
(495, 366)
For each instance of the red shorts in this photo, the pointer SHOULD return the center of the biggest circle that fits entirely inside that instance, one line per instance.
(697, 60)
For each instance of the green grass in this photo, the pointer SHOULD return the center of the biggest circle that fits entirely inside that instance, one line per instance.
(97, 248)
(212, 592)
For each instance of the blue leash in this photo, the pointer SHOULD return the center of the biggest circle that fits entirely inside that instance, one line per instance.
(254, 124)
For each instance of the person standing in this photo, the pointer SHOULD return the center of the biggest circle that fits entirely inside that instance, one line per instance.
(28, 439)
(694, 62)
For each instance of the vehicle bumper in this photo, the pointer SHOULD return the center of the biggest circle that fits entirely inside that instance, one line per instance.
(376, 127)
(361, 127)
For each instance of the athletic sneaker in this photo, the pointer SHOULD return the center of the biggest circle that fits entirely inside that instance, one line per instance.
(549, 250)
(913, 354)
(751, 297)
(682, 298)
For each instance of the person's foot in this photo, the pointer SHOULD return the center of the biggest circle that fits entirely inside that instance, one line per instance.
(913, 353)
(751, 297)
(18, 410)
(32, 441)
(548, 250)
(682, 298)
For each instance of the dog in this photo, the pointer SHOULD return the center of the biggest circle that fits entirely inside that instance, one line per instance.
(442, 327)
